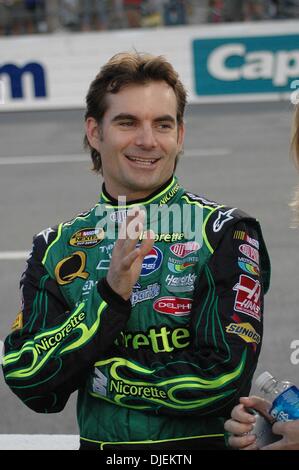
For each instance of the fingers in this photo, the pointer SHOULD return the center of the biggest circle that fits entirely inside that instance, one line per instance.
(259, 404)
(147, 242)
(237, 428)
(241, 424)
(239, 413)
(130, 230)
(243, 442)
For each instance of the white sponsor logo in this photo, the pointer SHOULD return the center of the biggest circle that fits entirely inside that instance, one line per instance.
(276, 66)
(88, 286)
(222, 218)
(45, 233)
(180, 283)
(152, 291)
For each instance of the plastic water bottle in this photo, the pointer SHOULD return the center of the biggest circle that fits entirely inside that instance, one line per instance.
(283, 394)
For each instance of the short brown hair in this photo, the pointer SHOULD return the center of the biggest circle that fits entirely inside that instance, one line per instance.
(124, 69)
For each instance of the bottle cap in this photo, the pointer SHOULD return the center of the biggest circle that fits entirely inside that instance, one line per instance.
(263, 379)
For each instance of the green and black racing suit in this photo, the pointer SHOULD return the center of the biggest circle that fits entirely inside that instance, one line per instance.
(163, 369)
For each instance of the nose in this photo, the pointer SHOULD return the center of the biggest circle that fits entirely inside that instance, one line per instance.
(145, 137)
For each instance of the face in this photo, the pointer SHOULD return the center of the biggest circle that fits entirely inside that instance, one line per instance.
(138, 139)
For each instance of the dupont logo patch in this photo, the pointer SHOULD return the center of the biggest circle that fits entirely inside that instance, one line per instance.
(173, 306)
(184, 249)
(87, 237)
(250, 252)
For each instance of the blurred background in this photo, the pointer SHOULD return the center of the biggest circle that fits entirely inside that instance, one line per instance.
(240, 63)
(52, 16)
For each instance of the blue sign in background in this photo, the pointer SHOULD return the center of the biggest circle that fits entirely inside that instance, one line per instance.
(207, 84)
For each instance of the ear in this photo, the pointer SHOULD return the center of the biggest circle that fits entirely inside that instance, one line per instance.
(181, 135)
(92, 133)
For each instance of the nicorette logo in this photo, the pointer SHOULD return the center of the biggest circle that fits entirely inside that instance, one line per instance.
(152, 261)
(173, 306)
(184, 249)
(240, 65)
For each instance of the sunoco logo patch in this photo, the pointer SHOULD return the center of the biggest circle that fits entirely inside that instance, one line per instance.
(87, 237)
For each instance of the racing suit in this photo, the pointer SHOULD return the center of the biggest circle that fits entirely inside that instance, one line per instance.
(164, 368)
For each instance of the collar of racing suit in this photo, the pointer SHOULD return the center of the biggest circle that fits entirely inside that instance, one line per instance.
(163, 195)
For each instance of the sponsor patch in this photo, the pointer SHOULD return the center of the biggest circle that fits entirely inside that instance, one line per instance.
(152, 261)
(180, 283)
(71, 268)
(140, 295)
(177, 266)
(89, 284)
(45, 233)
(241, 235)
(203, 201)
(18, 323)
(250, 252)
(181, 250)
(222, 218)
(173, 306)
(171, 193)
(248, 266)
(245, 331)
(87, 237)
(247, 299)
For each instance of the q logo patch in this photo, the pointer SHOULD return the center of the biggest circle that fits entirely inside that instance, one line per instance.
(68, 269)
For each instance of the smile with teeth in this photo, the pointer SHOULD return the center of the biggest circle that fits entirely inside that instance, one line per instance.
(142, 161)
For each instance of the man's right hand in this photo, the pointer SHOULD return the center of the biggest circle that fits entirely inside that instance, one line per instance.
(126, 261)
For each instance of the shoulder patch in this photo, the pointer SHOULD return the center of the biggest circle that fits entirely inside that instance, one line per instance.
(203, 201)
(223, 217)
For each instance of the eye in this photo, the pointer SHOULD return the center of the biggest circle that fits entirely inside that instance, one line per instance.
(126, 123)
(165, 125)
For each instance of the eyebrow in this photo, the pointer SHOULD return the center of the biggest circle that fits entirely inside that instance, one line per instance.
(132, 117)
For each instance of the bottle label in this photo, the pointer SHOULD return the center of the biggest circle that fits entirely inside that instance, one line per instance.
(286, 406)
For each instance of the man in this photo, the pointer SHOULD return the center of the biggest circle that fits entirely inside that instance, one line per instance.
(159, 331)
(241, 421)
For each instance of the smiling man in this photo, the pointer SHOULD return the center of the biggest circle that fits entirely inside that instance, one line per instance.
(159, 332)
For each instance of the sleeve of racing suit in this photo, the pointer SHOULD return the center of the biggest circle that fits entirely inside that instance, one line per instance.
(54, 346)
(210, 375)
